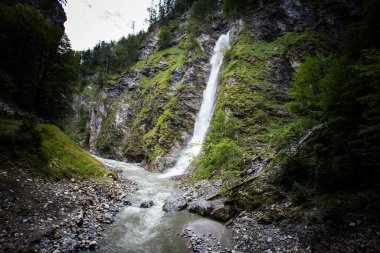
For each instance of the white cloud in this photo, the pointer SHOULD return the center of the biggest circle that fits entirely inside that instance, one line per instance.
(91, 21)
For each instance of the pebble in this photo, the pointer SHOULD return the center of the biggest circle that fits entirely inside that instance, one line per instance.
(92, 245)
(74, 213)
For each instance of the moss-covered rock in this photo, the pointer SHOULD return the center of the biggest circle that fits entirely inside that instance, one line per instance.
(268, 44)
(148, 113)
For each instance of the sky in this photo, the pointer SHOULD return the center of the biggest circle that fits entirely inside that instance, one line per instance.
(91, 21)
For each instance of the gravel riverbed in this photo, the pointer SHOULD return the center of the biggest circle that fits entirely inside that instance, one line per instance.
(43, 215)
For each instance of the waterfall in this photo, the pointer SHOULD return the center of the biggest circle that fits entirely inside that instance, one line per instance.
(202, 122)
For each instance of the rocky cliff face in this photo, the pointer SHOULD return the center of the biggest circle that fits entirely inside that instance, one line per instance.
(52, 10)
(269, 44)
(149, 113)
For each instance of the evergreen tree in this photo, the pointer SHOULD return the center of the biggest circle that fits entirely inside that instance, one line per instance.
(341, 92)
(164, 39)
(37, 61)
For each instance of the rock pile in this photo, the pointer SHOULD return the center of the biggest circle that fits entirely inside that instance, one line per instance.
(49, 216)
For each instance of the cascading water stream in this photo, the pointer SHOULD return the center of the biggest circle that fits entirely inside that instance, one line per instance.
(153, 230)
(204, 116)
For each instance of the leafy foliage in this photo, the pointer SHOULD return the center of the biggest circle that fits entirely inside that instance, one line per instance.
(164, 38)
(342, 93)
(21, 143)
(109, 58)
(225, 155)
(232, 8)
(39, 68)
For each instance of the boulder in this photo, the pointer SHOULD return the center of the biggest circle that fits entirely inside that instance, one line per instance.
(92, 245)
(147, 204)
(127, 202)
(201, 207)
(174, 203)
(223, 212)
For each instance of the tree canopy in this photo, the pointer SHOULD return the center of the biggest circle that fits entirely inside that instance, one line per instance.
(340, 92)
(38, 69)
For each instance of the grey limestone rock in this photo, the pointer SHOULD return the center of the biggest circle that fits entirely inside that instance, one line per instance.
(174, 203)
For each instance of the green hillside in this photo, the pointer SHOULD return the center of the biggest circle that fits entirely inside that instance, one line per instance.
(45, 150)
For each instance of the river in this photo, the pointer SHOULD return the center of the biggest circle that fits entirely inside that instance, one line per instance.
(151, 229)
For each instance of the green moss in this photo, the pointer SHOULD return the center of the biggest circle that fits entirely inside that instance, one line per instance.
(46, 151)
(249, 105)
(225, 156)
(113, 79)
(66, 159)
(154, 109)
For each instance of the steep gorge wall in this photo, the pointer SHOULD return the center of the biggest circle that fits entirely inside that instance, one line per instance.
(52, 10)
(270, 44)
(149, 113)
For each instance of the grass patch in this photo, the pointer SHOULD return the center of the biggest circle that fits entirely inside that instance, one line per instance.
(113, 79)
(46, 151)
(66, 159)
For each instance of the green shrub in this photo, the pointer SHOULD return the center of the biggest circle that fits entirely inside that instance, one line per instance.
(23, 145)
(225, 155)
(300, 192)
(164, 38)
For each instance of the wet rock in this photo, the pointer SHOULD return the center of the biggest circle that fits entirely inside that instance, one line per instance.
(127, 202)
(129, 82)
(271, 23)
(162, 65)
(223, 212)
(206, 43)
(147, 204)
(201, 207)
(109, 217)
(281, 72)
(150, 45)
(174, 203)
(92, 245)
(70, 245)
(236, 27)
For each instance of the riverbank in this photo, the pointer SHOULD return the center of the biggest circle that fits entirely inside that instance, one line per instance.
(42, 215)
(278, 224)
(39, 214)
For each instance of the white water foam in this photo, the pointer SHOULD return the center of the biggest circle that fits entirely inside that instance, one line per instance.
(204, 116)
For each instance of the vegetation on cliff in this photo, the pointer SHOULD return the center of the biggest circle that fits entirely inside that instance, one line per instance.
(338, 94)
(38, 69)
(257, 118)
(319, 124)
(39, 74)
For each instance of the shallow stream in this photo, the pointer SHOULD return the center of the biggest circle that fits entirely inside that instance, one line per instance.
(153, 230)
(146, 229)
